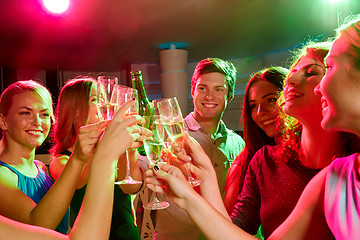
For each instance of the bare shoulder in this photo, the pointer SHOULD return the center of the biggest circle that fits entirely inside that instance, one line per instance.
(8, 178)
(60, 159)
(57, 165)
(14, 203)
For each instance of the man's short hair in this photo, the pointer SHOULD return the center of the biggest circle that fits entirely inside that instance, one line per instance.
(210, 65)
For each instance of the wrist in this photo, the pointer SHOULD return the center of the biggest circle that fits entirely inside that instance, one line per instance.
(77, 160)
(105, 157)
(80, 157)
(131, 150)
(190, 201)
(209, 175)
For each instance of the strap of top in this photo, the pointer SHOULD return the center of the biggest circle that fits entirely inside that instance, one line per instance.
(10, 167)
(35, 188)
(14, 169)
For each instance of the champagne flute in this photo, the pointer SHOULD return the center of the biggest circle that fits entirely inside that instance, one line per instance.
(153, 149)
(172, 119)
(106, 94)
(167, 154)
(125, 94)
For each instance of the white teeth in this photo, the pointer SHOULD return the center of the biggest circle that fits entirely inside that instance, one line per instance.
(35, 132)
(294, 94)
(268, 122)
(209, 105)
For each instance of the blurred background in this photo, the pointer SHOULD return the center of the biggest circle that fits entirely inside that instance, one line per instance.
(92, 37)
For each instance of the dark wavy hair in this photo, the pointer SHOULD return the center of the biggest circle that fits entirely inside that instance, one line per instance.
(71, 112)
(254, 137)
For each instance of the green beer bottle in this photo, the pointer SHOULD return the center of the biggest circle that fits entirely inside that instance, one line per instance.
(145, 108)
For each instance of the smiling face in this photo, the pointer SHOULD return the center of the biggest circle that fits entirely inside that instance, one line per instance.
(210, 96)
(340, 90)
(300, 99)
(262, 101)
(28, 120)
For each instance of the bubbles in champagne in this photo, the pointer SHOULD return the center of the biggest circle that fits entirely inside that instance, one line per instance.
(175, 130)
(153, 150)
(106, 111)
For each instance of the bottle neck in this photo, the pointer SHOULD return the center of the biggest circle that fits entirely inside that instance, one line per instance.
(145, 108)
(139, 86)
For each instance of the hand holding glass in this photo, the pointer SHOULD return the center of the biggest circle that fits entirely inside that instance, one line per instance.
(171, 117)
(123, 95)
(153, 149)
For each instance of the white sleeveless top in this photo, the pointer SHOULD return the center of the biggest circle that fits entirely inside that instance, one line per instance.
(342, 199)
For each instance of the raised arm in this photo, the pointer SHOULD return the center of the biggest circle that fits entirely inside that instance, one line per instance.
(58, 164)
(11, 229)
(85, 145)
(200, 164)
(50, 210)
(119, 136)
(52, 207)
(213, 224)
(99, 193)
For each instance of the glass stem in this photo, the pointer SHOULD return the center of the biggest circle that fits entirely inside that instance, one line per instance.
(127, 165)
(108, 112)
(155, 200)
(190, 178)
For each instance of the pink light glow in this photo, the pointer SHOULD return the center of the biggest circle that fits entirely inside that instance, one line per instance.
(57, 6)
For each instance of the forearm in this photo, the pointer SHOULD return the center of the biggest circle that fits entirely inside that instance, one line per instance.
(210, 191)
(95, 209)
(84, 175)
(53, 206)
(95, 213)
(58, 164)
(14, 230)
(94, 219)
(212, 224)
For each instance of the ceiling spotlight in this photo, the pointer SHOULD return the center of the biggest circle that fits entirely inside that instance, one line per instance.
(57, 6)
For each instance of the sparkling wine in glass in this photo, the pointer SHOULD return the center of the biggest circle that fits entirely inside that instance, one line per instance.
(153, 148)
(175, 130)
(172, 119)
(106, 92)
(125, 94)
